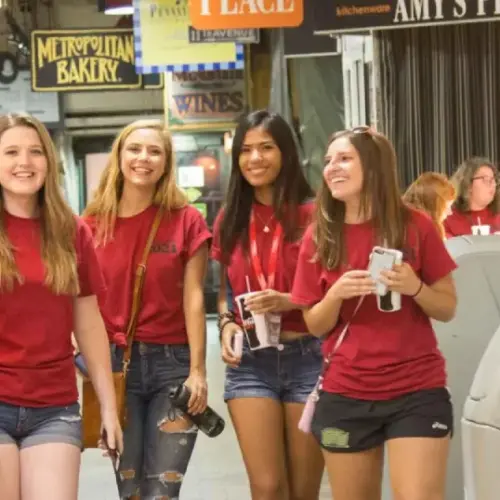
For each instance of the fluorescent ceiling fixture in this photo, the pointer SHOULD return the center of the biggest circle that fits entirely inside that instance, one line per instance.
(119, 11)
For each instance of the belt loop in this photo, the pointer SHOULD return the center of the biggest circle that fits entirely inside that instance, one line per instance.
(303, 348)
(166, 350)
(143, 348)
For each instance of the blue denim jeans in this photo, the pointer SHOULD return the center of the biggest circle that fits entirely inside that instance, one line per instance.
(33, 426)
(158, 441)
(288, 374)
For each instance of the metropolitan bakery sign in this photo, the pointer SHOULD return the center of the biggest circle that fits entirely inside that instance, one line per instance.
(340, 16)
(69, 60)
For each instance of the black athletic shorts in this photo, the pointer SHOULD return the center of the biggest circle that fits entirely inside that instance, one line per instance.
(347, 425)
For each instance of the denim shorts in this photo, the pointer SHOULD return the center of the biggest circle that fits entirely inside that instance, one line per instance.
(27, 427)
(288, 373)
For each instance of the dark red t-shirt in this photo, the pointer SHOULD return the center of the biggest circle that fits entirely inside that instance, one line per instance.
(161, 316)
(239, 265)
(384, 355)
(460, 223)
(36, 354)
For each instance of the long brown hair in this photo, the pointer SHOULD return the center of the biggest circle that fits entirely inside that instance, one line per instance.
(104, 205)
(463, 178)
(380, 199)
(57, 221)
(431, 192)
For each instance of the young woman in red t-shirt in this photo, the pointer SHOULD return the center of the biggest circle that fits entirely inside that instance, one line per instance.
(49, 279)
(386, 383)
(266, 389)
(170, 338)
(476, 209)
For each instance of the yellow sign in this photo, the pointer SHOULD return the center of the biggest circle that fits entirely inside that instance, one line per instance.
(161, 30)
(83, 60)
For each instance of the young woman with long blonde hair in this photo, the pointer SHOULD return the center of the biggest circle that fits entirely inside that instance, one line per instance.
(49, 280)
(170, 338)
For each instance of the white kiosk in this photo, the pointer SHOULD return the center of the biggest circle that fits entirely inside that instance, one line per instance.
(463, 342)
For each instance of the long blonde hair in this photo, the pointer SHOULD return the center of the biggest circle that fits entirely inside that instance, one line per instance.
(57, 222)
(104, 205)
(431, 192)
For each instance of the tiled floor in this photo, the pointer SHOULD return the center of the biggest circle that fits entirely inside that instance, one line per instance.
(216, 470)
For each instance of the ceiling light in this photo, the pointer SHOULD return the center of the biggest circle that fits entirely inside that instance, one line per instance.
(120, 11)
(116, 7)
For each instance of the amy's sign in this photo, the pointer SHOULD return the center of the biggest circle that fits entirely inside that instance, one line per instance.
(339, 16)
(205, 97)
(69, 60)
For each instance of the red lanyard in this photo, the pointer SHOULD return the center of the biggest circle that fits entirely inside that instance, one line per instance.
(273, 258)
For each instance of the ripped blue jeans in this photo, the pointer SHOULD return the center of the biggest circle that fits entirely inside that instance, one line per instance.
(158, 441)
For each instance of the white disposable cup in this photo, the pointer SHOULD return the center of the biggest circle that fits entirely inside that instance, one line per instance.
(481, 230)
(255, 325)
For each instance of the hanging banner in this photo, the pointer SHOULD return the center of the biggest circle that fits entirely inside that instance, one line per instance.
(341, 16)
(221, 14)
(161, 33)
(302, 42)
(208, 97)
(71, 60)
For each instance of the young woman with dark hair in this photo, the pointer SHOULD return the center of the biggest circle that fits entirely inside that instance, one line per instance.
(256, 239)
(477, 204)
(385, 382)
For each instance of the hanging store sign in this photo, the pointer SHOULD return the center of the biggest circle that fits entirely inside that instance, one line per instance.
(204, 98)
(302, 42)
(220, 36)
(221, 14)
(340, 16)
(161, 37)
(71, 60)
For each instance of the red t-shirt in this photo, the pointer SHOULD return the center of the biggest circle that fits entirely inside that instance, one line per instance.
(161, 316)
(239, 265)
(36, 354)
(384, 355)
(460, 223)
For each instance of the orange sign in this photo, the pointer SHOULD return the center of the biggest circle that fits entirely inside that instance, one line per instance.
(234, 14)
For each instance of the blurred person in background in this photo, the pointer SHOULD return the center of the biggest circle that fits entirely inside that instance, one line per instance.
(477, 204)
(434, 194)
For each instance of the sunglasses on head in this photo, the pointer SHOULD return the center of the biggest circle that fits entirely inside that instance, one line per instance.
(362, 129)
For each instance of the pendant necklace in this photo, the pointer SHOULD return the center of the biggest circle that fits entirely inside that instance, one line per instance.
(266, 225)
